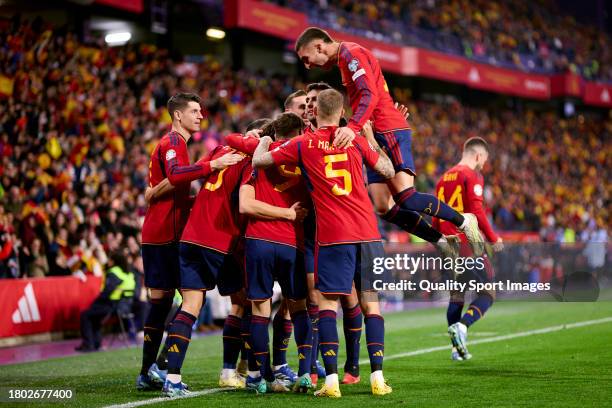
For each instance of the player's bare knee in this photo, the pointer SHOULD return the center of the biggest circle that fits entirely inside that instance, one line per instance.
(489, 293)
(192, 301)
(294, 306)
(457, 297)
(158, 294)
(369, 302)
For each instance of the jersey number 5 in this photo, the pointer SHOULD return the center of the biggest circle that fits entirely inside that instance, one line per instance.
(331, 173)
(455, 201)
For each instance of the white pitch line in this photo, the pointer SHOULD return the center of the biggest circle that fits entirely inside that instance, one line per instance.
(165, 399)
(394, 357)
(498, 338)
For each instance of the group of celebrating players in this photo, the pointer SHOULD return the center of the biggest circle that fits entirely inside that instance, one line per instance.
(288, 202)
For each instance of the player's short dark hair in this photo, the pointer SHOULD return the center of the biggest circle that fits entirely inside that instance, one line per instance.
(292, 96)
(311, 34)
(329, 103)
(258, 124)
(473, 142)
(318, 86)
(284, 124)
(180, 101)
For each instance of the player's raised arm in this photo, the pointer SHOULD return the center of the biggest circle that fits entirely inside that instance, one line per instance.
(245, 144)
(262, 157)
(367, 94)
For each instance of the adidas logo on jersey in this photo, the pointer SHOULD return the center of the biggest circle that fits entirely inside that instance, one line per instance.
(147, 337)
(330, 353)
(174, 349)
(379, 353)
(301, 357)
(27, 308)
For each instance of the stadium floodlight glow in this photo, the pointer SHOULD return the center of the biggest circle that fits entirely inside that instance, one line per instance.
(119, 38)
(215, 33)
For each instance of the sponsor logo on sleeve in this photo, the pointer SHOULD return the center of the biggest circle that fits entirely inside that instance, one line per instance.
(353, 65)
(478, 189)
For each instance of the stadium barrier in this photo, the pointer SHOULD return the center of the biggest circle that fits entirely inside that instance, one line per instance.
(54, 304)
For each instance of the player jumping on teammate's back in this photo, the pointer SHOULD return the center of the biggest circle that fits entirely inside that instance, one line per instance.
(462, 188)
(335, 180)
(370, 99)
(169, 169)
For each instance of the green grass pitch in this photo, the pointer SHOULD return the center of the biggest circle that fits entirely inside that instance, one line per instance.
(568, 367)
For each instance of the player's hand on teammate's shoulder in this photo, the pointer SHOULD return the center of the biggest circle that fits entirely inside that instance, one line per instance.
(343, 137)
(498, 246)
(403, 110)
(226, 160)
(296, 212)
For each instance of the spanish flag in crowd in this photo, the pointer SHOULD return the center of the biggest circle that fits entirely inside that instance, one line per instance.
(6, 86)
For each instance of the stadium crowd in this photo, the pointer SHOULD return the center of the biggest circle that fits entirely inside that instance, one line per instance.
(531, 35)
(78, 123)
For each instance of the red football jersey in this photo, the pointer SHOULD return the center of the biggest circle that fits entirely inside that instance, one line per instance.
(214, 221)
(367, 90)
(166, 215)
(337, 187)
(280, 186)
(462, 188)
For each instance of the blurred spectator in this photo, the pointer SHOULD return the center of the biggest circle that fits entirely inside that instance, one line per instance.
(117, 293)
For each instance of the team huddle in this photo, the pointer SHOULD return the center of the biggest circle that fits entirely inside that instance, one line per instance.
(290, 202)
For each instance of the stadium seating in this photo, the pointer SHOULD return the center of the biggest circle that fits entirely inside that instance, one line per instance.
(533, 36)
(79, 121)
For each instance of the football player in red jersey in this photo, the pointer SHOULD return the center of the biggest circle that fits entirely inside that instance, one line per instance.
(335, 179)
(369, 98)
(352, 316)
(207, 253)
(462, 188)
(166, 215)
(274, 251)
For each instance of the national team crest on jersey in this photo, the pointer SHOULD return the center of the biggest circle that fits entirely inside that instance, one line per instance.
(353, 65)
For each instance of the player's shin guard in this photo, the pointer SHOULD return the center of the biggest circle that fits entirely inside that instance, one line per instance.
(154, 331)
(412, 222)
(179, 337)
(232, 341)
(412, 200)
(477, 309)
(303, 340)
(375, 337)
(281, 333)
(313, 314)
(260, 343)
(453, 312)
(328, 340)
(352, 322)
